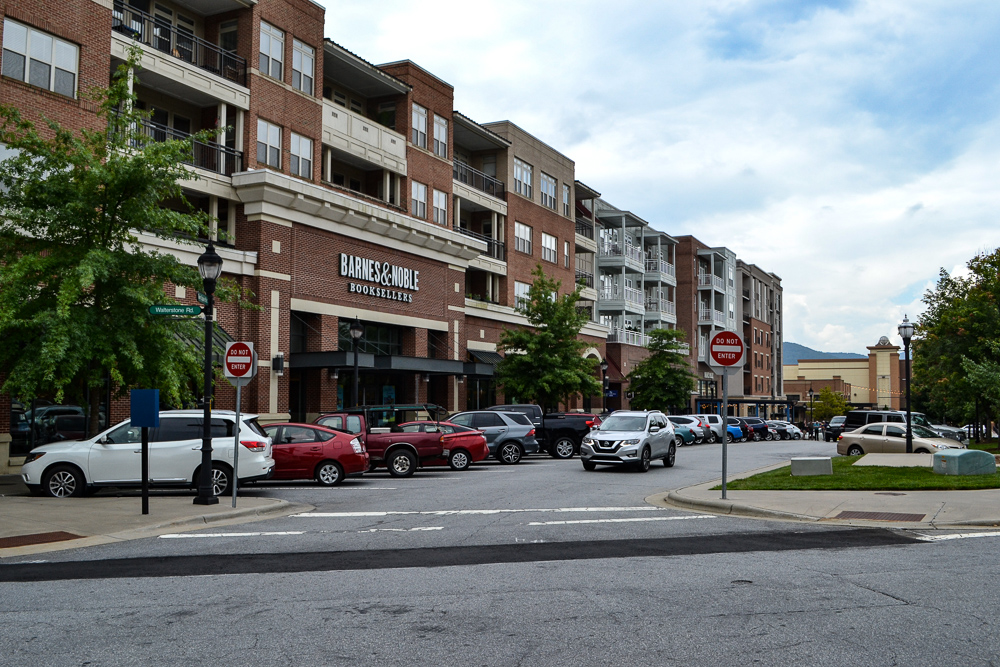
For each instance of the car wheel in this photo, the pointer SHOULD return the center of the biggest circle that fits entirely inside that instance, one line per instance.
(668, 460)
(712, 439)
(698, 441)
(563, 448)
(768, 437)
(509, 453)
(459, 459)
(854, 450)
(63, 482)
(589, 465)
(644, 458)
(729, 438)
(921, 451)
(401, 463)
(221, 479)
(679, 441)
(329, 473)
(756, 436)
(797, 436)
(743, 439)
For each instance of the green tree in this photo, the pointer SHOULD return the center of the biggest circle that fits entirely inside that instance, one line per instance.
(663, 379)
(829, 404)
(75, 282)
(544, 363)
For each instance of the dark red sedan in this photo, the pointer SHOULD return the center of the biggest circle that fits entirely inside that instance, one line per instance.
(308, 451)
(462, 446)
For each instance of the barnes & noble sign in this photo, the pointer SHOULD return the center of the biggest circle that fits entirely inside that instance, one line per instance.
(386, 279)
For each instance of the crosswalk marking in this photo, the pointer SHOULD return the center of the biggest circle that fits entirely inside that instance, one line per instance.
(170, 536)
(955, 536)
(629, 520)
(346, 515)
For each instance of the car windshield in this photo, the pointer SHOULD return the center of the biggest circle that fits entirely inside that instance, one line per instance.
(922, 421)
(921, 432)
(624, 423)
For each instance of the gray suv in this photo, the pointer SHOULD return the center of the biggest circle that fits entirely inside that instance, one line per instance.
(509, 435)
(630, 438)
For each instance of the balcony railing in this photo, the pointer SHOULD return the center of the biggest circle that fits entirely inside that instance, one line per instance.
(182, 44)
(711, 315)
(654, 265)
(661, 306)
(610, 249)
(633, 295)
(628, 337)
(585, 229)
(463, 173)
(711, 280)
(586, 278)
(494, 248)
(213, 157)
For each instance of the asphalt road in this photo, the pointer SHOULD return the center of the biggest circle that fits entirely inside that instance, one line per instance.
(537, 564)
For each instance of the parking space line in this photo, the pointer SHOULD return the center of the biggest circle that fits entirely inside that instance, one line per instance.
(174, 536)
(955, 536)
(347, 515)
(629, 520)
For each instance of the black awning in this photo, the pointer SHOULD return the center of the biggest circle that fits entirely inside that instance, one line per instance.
(486, 357)
(333, 359)
(397, 362)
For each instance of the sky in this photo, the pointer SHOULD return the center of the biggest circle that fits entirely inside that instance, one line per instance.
(850, 147)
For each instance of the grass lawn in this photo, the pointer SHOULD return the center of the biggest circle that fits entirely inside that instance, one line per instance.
(848, 477)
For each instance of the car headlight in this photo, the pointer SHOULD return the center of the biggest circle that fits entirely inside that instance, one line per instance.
(587, 441)
(33, 456)
(633, 441)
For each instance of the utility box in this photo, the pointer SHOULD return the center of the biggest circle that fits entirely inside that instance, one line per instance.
(964, 462)
(812, 465)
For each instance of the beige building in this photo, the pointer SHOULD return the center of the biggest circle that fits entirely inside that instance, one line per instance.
(865, 383)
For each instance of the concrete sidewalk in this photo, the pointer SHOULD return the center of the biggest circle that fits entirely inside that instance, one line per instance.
(31, 525)
(896, 509)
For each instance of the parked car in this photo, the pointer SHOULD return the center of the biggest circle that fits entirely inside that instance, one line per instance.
(463, 446)
(378, 428)
(856, 418)
(685, 435)
(834, 428)
(758, 427)
(630, 438)
(112, 458)
(308, 451)
(746, 432)
(509, 435)
(701, 429)
(890, 438)
(735, 433)
(558, 433)
(786, 430)
(714, 423)
(65, 427)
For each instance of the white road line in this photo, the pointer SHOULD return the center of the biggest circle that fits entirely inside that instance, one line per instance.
(345, 515)
(173, 536)
(631, 520)
(955, 536)
(401, 530)
(319, 488)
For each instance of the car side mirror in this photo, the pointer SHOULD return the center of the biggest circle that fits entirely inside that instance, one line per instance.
(103, 440)
(654, 429)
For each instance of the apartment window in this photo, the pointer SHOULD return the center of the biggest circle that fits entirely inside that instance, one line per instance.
(227, 36)
(303, 57)
(549, 252)
(301, 152)
(419, 134)
(548, 188)
(419, 194)
(39, 59)
(268, 143)
(440, 136)
(522, 237)
(440, 207)
(566, 254)
(522, 178)
(521, 298)
(357, 107)
(566, 200)
(339, 98)
(387, 114)
(272, 50)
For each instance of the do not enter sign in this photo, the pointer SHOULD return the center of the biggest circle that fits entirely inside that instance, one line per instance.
(726, 349)
(239, 360)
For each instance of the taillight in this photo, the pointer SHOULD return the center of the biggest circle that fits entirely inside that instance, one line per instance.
(254, 445)
(358, 447)
(530, 433)
(590, 423)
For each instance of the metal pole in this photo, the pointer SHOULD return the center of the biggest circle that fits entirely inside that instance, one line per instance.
(909, 426)
(145, 470)
(205, 495)
(236, 444)
(354, 392)
(725, 427)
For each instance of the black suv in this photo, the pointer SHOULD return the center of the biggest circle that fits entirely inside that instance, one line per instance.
(834, 428)
(759, 427)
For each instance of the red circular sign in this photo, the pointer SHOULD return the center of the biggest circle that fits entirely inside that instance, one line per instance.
(239, 359)
(726, 349)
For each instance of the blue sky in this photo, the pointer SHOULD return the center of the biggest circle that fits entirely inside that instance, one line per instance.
(850, 147)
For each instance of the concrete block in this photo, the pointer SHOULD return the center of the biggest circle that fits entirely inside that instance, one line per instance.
(964, 462)
(812, 465)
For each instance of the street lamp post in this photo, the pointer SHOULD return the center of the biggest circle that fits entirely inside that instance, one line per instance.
(604, 381)
(906, 333)
(356, 330)
(812, 414)
(210, 268)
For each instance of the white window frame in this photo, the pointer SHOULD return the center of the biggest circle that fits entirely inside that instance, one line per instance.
(566, 254)
(301, 156)
(440, 136)
(273, 40)
(522, 237)
(60, 53)
(547, 186)
(267, 131)
(418, 195)
(440, 207)
(550, 245)
(418, 133)
(522, 177)
(521, 294)
(303, 66)
(566, 207)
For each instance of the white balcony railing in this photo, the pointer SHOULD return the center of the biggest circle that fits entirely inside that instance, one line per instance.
(611, 249)
(628, 337)
(711, 280)
(710, 315)
(661, 306)
(353, 133)
(633, 295)
(654, 265)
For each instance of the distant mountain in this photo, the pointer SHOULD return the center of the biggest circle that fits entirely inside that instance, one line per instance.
(792, 352)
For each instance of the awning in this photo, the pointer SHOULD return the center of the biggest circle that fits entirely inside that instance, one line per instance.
(486, 357)
(220, 339)
(334, 359)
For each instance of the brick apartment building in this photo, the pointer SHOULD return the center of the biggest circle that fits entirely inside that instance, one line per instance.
(347, 190)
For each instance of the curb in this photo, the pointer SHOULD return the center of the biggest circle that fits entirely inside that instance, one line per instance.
(730, 508)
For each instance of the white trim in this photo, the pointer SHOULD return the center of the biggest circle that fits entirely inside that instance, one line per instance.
(481, 346)
(239, 262)
(271, 274)
(320, 308)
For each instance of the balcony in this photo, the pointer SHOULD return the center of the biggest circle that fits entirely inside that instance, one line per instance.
(212, 157)
(630, 253)
(584, 277)
(181, 44)
(661, 306)
(495, 249)
(654, 265)
(710, 316)
(584, 229)
(474, 178)
(628, 337)
(634, 296)
(711, 280)
(361, 142)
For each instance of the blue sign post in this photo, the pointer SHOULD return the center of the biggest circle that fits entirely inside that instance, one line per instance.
(145, 413)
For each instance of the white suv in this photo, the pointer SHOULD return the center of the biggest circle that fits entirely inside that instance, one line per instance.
(114, 458)
(631, 438)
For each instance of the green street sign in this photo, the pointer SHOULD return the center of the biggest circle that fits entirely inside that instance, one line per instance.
(202, 299)
(175, 310)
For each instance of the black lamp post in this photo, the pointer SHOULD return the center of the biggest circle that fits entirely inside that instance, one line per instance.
(906, 333)
(210, 268)
(812, 414)
(356, 331)
(604, 380)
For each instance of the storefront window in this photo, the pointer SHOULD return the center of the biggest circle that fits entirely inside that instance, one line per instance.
(379, 339)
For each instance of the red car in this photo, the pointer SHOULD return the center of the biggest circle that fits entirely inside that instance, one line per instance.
(461, 446)
(308, 451)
